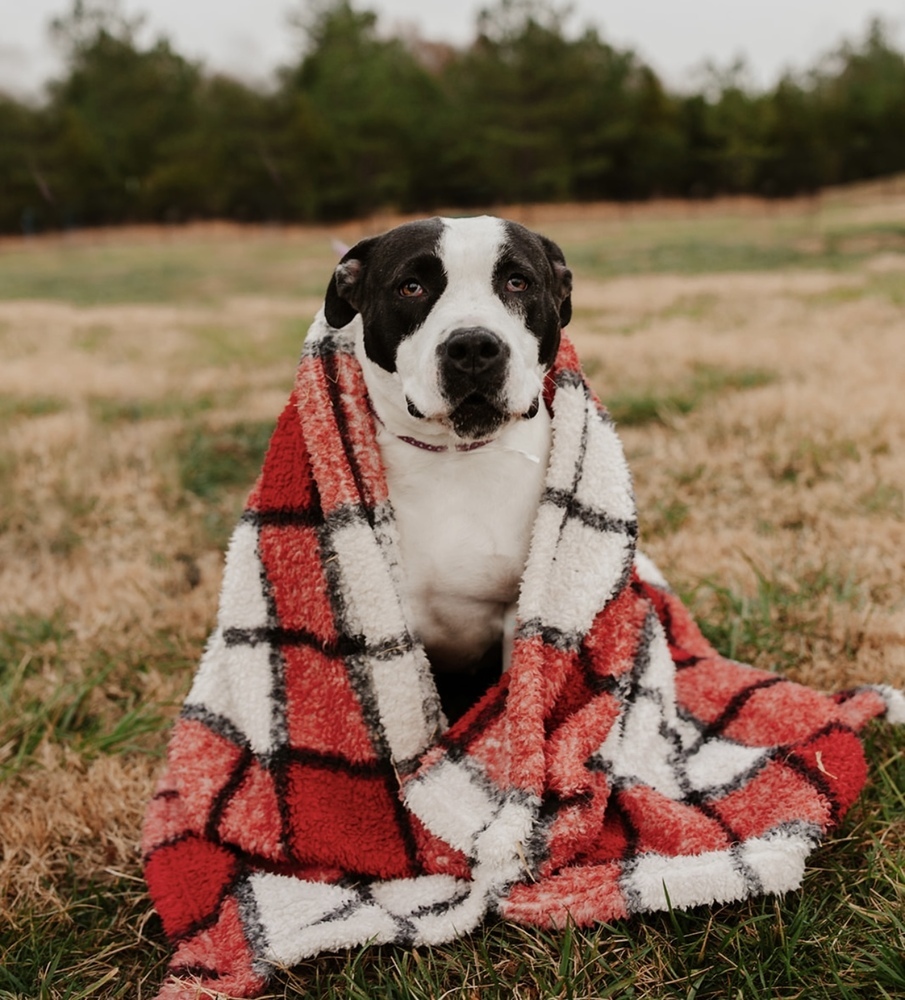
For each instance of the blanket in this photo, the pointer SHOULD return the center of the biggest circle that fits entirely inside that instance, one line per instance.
(316, 798)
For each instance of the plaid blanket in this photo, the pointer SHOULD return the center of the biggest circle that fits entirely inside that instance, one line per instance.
(315, 797)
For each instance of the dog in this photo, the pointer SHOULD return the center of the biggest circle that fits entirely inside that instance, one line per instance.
(459, 320)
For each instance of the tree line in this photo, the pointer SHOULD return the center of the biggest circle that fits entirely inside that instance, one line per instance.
(527, 112)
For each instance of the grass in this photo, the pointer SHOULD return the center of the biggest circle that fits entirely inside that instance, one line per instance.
(168, 269)
(212, 462)
(108, 410)
(14, 407)
(639, 407)
(216, 466)
(810, 461)
(229, 345)
(777, 625)
(693, 256)
(96, 943)
(714, 245)
(120, 480)
(51, 693)
(884, 498)
(272, 261)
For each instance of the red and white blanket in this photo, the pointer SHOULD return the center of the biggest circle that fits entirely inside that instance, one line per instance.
(315, 798)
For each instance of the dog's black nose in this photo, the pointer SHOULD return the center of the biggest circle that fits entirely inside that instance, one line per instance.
(474, 350)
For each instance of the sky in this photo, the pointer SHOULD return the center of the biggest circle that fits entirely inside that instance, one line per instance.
(250, 38)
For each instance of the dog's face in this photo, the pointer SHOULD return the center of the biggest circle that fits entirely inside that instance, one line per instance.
(464, 315)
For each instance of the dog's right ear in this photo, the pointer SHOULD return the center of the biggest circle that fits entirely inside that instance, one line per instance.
(342, 303)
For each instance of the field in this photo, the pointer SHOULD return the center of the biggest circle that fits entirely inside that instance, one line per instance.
(754, 357)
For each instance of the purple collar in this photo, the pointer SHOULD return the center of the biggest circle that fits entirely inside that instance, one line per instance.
(424, 446)
(415, 443)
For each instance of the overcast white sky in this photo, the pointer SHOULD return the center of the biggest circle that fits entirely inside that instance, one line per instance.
(250, 37)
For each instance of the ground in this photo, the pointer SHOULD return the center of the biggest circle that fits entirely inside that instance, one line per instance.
(752, 354)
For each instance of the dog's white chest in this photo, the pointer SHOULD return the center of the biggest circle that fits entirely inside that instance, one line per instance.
(465, 521)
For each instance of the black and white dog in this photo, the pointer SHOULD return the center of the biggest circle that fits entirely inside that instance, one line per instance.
(459, 320)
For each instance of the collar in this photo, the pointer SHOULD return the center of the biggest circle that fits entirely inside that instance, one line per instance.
(424, 445)
(415, 443)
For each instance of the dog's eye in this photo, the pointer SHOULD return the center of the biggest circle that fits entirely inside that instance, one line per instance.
(411, 289)
(517, 283)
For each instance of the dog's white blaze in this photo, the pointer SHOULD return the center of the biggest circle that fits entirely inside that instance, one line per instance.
(469, 249)
(464, 518)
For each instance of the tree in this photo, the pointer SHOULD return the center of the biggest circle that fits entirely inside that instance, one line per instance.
(797, 156)
(116, 115)
(359, 115)
(27, 199)
(543, 115)
(532, 110)
(861, 98)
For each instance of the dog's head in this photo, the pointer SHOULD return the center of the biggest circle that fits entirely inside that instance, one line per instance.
(464, 315)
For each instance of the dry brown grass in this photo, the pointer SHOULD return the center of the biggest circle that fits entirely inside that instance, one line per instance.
(798, 476)
(797, 481)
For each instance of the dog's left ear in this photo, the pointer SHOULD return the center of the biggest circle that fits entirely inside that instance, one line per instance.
(342, 303)
(562, 286)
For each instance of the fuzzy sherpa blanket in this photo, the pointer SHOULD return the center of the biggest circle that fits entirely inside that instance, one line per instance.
(316, 799)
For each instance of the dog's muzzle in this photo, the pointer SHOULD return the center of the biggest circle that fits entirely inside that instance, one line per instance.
(474, 363)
